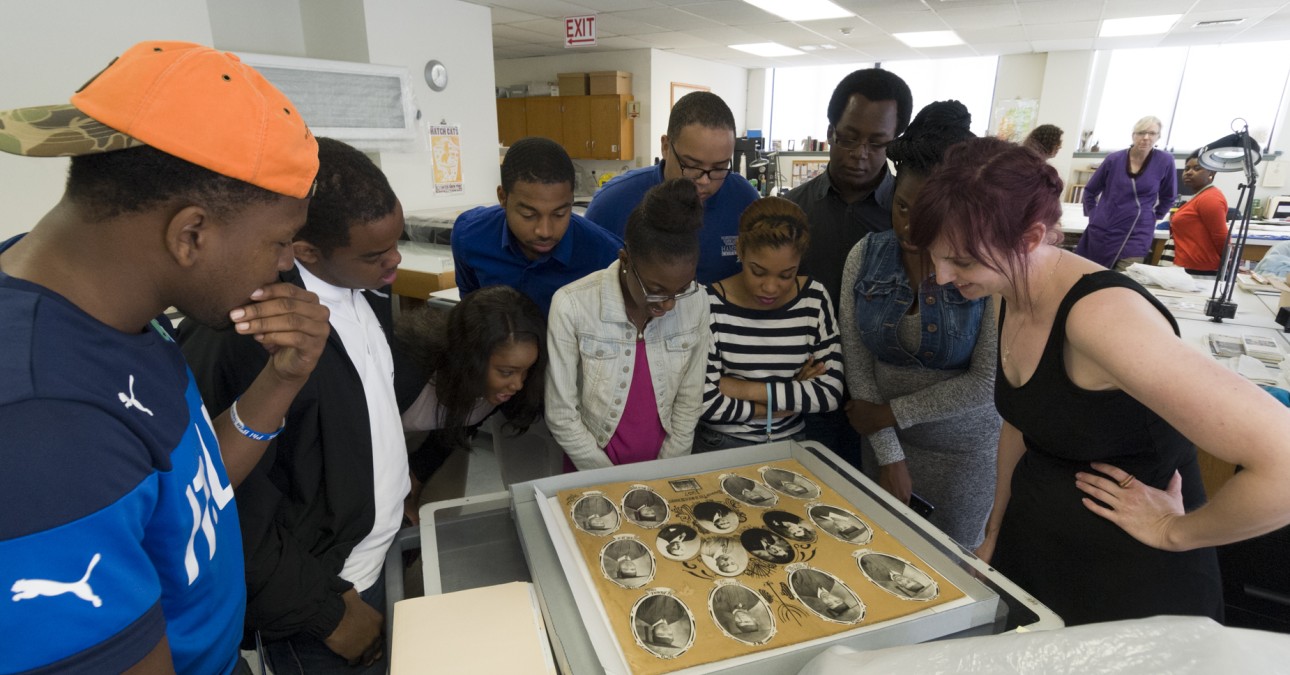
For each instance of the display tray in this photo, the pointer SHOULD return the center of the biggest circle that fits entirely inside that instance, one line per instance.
(731, 600)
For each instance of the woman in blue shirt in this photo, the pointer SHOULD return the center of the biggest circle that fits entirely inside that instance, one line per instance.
(919, 356)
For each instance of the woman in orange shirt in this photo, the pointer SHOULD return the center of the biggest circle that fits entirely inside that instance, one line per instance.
(1200, 226)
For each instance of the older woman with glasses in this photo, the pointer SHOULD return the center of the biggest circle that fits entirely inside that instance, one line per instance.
(628, 344)
(1128, 193)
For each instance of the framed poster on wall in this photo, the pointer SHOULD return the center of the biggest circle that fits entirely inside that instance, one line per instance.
(680, 89)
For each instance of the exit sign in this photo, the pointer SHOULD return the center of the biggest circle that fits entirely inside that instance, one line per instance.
(580, 31)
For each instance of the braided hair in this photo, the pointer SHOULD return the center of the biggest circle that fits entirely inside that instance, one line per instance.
(772, 222)
(934, 129)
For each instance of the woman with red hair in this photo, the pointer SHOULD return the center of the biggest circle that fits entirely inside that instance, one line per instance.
(1099, 511)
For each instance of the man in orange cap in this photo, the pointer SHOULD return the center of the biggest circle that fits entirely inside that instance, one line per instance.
(119, 539)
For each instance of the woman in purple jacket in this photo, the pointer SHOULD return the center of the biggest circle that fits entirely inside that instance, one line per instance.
(1128, 193)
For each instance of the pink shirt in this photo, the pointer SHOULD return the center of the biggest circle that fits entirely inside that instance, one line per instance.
(640, 434)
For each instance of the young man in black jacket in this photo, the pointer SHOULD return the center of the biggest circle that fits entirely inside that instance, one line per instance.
(321, 508)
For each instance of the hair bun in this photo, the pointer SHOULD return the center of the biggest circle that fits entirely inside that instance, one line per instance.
(672, 193)
(941, 115)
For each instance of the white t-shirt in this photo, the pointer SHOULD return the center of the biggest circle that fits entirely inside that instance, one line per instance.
(359, 331)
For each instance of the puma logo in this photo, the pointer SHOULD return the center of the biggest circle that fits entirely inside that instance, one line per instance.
(26, 589)
(132, 402)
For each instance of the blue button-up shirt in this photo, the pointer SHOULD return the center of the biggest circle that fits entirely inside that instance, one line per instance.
(485, 253)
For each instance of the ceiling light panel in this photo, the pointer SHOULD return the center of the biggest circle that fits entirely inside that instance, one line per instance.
(801, 10)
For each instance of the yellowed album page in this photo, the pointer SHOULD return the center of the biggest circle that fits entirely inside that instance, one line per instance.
(702, 568)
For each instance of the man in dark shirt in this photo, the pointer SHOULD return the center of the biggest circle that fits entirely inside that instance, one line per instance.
(850, 199)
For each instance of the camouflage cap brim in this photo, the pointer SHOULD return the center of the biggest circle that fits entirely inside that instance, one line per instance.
(58, 131)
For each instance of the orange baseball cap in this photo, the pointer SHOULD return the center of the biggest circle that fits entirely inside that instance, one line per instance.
(196, 103)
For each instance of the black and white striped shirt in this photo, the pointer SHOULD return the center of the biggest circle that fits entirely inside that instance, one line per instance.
(772, 346)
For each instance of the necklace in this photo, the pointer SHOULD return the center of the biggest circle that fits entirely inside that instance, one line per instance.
(1006, 352)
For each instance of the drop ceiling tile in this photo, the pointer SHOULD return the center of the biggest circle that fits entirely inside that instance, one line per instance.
(669, 18)
(672, 40)
(1059, 45)
(787, 33)
(1062, 31)
(1059, 11)
(547, 8)
(621, 25)
(906, 22)
(731, 13)
(999, 34)
(980, 17)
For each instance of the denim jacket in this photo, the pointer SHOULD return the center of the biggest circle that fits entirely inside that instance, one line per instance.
(882, 296)
(590, 344)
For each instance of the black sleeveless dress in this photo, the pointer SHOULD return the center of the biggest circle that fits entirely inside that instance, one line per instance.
(1079, 564)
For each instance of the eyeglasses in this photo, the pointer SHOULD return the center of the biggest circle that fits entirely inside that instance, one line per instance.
(651, 299)
(854, 143)
(694, 172)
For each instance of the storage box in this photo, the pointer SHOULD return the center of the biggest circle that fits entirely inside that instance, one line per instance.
(573, 84)
(610, 82)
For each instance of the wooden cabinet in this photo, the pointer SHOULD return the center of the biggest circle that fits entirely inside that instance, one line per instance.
(611, 130)
(589, 127)
(512, 122)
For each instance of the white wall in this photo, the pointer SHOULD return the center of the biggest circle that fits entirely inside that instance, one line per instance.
(410, 33)
(335, 29)
(257, 26)
(728, 82)
(1061, 101)
(44, 60)
(545, 68)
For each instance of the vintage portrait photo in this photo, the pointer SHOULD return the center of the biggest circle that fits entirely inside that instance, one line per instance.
(644, 507)
(825, 595)
(898, 577)
(789, 525)
(662, 625)
(627, 562)
(724, 555)
(841, 524)
(767, 545)
(748, 491)
(790, 483)
(677, 542)
(594, 514)
(741, 614)
(716, 518)
(684, 484)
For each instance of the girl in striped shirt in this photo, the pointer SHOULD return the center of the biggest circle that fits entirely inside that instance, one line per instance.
(774, 354)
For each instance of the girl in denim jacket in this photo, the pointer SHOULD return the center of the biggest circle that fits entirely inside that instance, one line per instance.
(628, 344)
(919, 356)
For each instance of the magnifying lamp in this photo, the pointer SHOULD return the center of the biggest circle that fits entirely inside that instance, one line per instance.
(1230, 153)
(1234, 152)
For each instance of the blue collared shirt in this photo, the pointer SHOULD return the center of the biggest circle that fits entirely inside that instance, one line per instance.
(616, 200)
(485, 253)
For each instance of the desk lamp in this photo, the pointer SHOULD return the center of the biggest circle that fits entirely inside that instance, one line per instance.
(1234, 152)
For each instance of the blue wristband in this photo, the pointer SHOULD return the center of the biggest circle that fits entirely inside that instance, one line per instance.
(248, 431)
(770, 407)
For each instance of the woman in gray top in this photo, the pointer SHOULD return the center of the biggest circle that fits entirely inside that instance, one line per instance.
(919, 357)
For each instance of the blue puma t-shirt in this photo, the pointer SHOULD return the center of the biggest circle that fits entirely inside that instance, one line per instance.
(117, 521)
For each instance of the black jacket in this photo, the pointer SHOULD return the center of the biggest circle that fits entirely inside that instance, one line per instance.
(309, 500)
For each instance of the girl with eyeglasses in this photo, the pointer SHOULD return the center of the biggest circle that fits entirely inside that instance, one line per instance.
(628, 344)
(774, 354)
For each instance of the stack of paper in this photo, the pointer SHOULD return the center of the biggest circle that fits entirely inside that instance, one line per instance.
(1253, 370)
(1264, 349)
(1225, 346)
(495, 629)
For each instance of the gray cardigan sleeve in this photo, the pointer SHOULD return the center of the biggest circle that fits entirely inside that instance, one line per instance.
(970, 389)
(858, 361)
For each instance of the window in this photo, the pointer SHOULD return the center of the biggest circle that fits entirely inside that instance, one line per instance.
(1196, 91)
(799, 106)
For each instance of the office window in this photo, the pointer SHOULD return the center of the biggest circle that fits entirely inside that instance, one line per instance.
(1224, 82)
(800, 102)
(969, 80)
(1196, 92)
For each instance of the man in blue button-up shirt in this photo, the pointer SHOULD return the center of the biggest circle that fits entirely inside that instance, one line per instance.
(532, 240)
